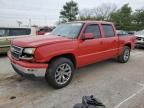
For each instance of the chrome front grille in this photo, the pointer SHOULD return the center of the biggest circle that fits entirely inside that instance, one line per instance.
(16, 51)
(138, 38)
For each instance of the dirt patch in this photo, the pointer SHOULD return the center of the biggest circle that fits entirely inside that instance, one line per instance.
(10, 78)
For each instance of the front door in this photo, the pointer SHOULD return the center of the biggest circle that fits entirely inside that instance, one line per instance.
(89, 50)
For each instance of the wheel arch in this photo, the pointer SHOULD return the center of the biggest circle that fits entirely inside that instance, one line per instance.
(129, 45)
(69, 56)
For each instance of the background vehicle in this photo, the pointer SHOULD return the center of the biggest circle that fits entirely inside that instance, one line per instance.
(69, 46)
(140, 38)
(7, 34)
(44, 30)
(48, 33)
(121, 32)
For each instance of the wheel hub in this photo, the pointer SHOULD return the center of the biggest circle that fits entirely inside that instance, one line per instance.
(126, 55)
(63, 73)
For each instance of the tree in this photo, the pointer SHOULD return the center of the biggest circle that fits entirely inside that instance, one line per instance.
(123, 17)
(86, 14)
(69, 11)
(104, 11)
(138, 19)
(101, 12)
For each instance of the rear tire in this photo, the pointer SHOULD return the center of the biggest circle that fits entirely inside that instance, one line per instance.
(60, 72)
(124, 57)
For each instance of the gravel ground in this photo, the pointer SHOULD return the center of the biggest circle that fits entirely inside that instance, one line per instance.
(116, 85)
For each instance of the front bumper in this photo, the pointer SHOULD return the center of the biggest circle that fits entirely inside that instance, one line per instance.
(27, 69)
(138, 44)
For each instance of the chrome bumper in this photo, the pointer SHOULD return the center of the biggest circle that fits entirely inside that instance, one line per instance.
(29, 72)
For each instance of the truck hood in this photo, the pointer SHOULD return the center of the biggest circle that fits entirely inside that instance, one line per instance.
(37, 41)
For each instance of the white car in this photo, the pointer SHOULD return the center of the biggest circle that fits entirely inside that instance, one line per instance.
(9, 33)
(140, 38)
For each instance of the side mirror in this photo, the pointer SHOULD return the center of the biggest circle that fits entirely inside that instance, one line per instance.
(88, 36)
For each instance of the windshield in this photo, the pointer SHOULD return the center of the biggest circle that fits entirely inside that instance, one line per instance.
(69, 30)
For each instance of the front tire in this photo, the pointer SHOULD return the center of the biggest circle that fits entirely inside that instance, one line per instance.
(124, 57)
(60, 72)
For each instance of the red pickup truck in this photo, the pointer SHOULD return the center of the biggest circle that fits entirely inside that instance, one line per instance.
(70, 46)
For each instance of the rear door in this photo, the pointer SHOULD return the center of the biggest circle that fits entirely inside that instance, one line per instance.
(110, 41)
(90, 50)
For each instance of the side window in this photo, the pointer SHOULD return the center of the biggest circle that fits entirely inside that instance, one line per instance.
(18, 32)
(94, 28)
(3, 32)
(108, 30)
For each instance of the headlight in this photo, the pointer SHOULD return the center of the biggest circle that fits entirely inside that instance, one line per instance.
(28, 54)
(29, 51)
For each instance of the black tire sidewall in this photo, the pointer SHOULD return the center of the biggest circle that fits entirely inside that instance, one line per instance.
(50, 74)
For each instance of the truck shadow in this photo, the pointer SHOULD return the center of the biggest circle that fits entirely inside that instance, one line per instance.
(96, 68)
(92, 68)
(139, 48)
(22, 88)
(79, 74)
(3, 55)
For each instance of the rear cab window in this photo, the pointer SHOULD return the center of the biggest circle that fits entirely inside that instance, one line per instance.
(108, 30)
(93, 28)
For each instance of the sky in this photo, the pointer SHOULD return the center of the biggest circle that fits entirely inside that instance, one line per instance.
(46, 12)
